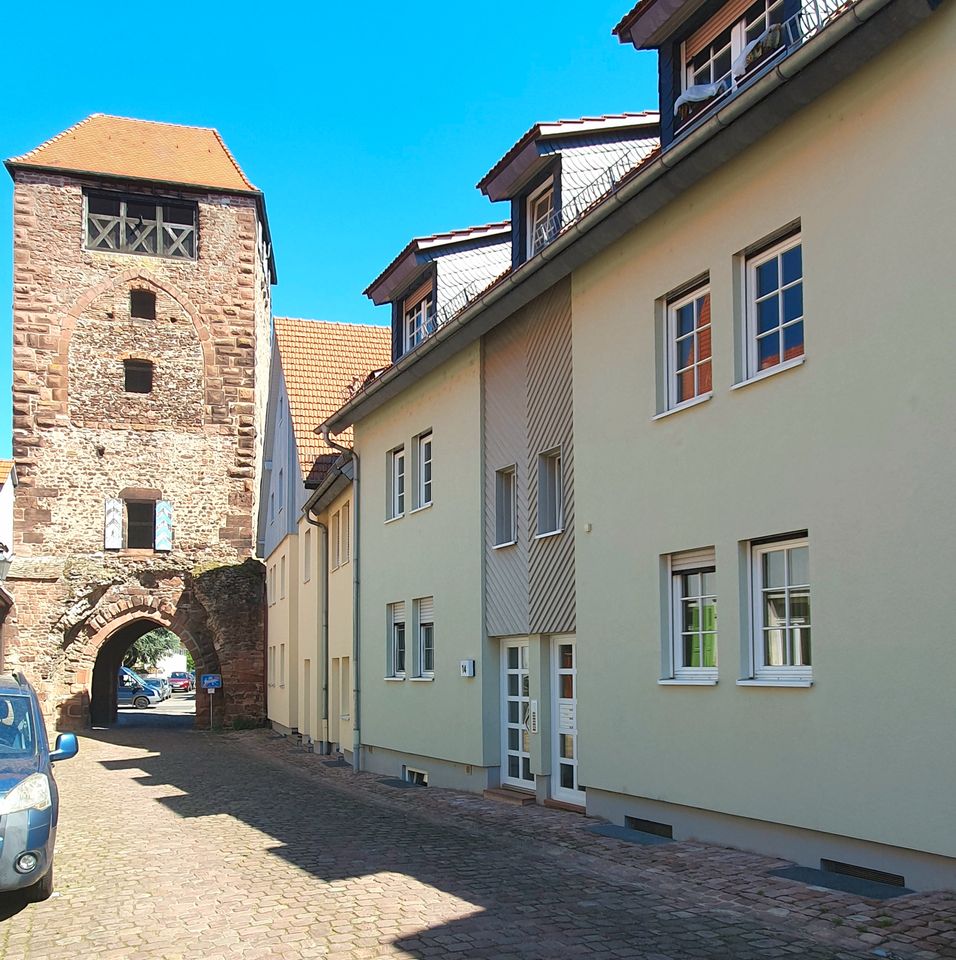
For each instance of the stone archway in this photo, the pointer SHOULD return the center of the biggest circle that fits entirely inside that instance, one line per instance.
(115, 640)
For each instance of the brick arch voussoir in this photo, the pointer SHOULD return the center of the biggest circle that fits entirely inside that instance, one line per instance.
(107, 622)
(76, 311)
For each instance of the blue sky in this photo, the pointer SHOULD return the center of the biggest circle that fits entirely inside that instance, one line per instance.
(365, 124)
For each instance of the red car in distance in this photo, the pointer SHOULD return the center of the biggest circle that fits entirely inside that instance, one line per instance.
(181, 681)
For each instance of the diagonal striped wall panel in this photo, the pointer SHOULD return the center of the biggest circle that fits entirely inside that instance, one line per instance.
(551, 598)
(504, 425)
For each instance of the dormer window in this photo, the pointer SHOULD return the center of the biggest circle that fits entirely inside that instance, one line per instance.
(419, 314)
(720, 53)
(540, 217)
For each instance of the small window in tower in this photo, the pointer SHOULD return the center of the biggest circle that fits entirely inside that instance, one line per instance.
(142, 304)
(138, 376)
(140, 524)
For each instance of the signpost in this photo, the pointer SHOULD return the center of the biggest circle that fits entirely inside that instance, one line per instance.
(211, 682)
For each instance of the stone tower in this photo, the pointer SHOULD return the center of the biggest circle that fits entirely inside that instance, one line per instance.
(142, 273)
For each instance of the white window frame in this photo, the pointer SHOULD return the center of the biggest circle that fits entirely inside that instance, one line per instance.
(422, 628)
(345, 533)
(280, 489)
(394, 622)
(680, 564)
(281, 664)
(396, 484)
(334, 541)
(545, 470)
(511, 535)
(425, 447)
(736, 48)
(752, 263)
(531, 215)
(673, 307)
(760, 671)
(282, 577)
(307, 556)
(416, 320)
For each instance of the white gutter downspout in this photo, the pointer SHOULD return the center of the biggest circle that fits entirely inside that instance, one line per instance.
(326, 744)
(356, 599)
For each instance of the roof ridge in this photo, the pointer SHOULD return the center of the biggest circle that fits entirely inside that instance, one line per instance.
(54, 138)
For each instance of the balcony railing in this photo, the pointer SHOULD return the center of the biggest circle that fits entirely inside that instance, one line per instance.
(776, 43)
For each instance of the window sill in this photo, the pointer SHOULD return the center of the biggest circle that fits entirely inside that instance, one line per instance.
(425, 506)
(423, 679)
(501, 546)
(550, 533)
(802, 682)
(686, 405)
(393, 519)
(395, 679)
(772, 372)
(688, 682)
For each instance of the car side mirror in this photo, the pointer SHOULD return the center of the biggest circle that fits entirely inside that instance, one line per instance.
(66, 747)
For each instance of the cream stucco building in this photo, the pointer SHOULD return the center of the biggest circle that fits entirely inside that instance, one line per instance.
(652, 520)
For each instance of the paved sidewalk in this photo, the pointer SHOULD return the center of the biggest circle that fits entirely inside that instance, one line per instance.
(177, 845)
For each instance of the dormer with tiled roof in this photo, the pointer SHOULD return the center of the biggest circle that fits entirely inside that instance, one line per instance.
(712, 50)
(434, 277)
(557, 170)
(128, 166)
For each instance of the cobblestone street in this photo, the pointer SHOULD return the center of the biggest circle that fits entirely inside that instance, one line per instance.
(175, 844)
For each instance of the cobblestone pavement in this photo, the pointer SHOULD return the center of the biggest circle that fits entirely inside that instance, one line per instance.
(176, 845)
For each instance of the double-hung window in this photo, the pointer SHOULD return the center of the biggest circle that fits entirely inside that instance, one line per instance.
(689, 348)
(396, 640)
(335, 541)
(774, 284)
(345, 533)
(426, 637)
(694, 615)
(418, 312)
(424, 470)
(396, 483)
(506, 507)
(550, 493)
(540, 217)
(781, 610)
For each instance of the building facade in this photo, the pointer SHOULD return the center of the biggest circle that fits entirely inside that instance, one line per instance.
(142, 274)
(691, 392)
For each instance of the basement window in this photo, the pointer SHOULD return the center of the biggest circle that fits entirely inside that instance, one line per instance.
(142, 304)
(138, 376)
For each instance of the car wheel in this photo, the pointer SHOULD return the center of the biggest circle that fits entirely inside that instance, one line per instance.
(43, 888)
(141, 703)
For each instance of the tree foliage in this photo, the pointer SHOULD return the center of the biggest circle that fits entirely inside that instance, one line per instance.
(151, 647)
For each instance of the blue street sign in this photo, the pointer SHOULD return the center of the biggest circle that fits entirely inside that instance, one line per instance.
(210, 681)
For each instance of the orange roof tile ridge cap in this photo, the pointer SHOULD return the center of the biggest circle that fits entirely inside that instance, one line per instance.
(58, 136)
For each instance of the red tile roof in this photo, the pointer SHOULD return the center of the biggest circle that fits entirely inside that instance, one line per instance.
(141, 150)
(609, 121)
(321, 362)
(5, 467)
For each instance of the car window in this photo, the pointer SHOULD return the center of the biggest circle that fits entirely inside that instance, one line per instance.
(16, 726)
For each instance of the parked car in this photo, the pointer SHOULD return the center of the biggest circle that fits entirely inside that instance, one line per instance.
(181, 680)
(133, 690)
(161, 684)
(29, 800)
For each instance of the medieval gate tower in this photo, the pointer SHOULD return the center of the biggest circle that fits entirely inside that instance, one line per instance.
(141, 315)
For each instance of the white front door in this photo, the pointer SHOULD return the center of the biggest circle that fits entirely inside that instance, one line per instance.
(564, 779)
(516, 710)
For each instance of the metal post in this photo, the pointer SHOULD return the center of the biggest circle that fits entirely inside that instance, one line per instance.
(212, 690)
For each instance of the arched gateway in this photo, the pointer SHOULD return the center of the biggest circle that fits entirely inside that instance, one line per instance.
(140, 363)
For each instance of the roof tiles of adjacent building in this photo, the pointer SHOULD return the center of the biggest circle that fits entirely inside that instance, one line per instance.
(5, 467)
(559, 128)
(141, 150)
(322, 363)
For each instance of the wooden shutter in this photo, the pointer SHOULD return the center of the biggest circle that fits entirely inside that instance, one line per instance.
(164, 525)
(719, 22)
(113, 531)
(426, 610)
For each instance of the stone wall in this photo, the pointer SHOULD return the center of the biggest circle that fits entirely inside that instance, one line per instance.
(79, 439)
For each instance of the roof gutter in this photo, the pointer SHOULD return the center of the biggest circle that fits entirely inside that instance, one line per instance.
(569, 251)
